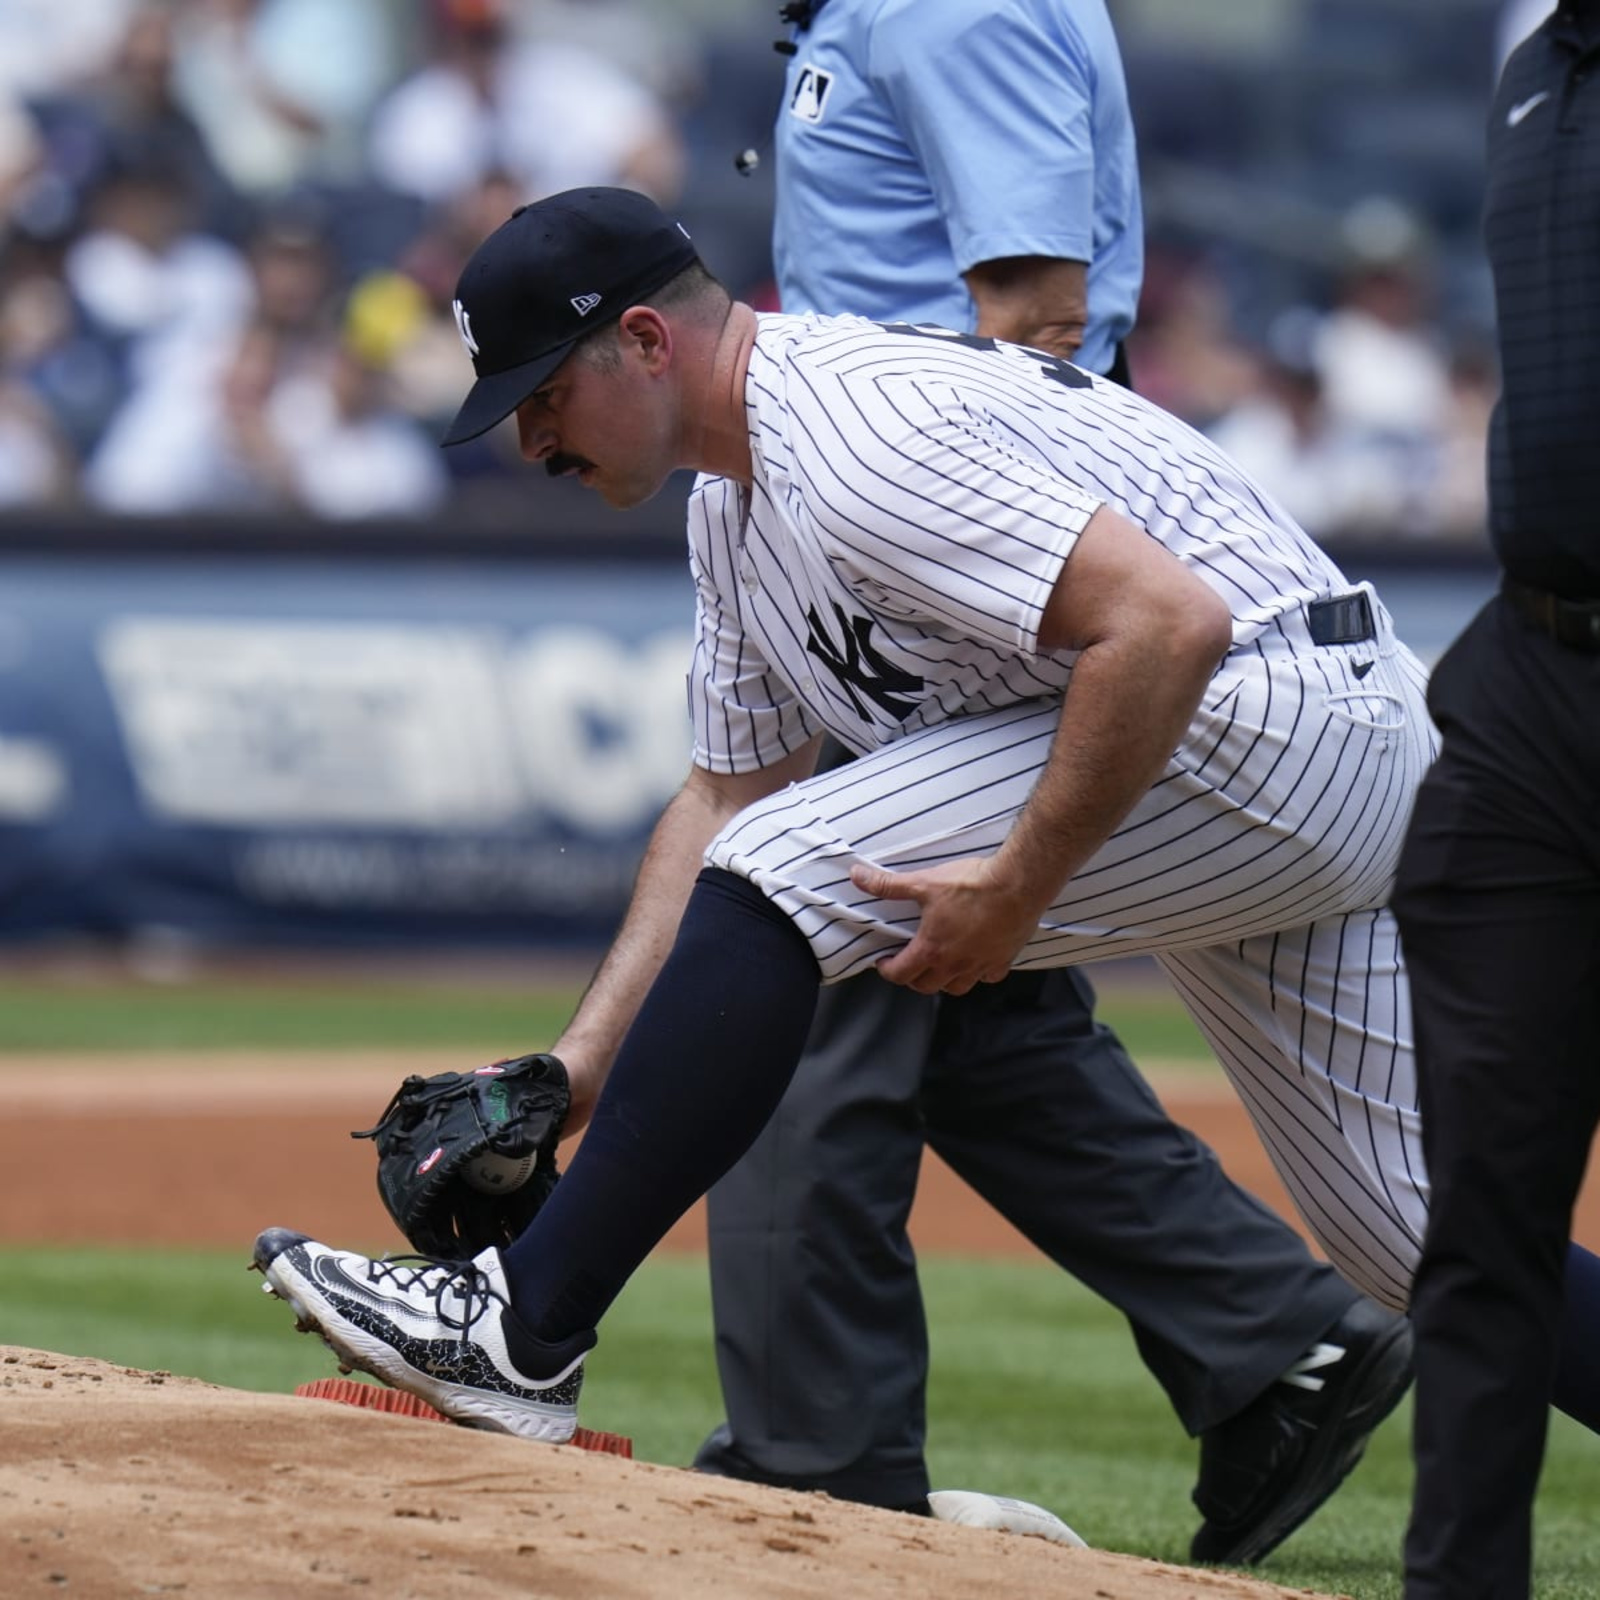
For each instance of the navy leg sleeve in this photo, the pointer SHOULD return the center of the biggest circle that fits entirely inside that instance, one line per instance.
(701, 1070)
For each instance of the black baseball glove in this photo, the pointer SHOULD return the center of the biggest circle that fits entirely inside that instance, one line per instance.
(466, 1159)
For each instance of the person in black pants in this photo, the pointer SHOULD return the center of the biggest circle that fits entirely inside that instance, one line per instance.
(1499, 887)
(822, 1344)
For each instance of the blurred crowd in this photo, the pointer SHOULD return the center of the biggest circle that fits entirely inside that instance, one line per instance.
(1361, 416)
(231, 229)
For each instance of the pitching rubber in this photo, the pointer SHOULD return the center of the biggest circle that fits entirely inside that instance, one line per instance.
(370, 1397)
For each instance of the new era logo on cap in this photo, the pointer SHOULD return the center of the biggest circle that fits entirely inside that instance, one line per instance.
(514, 304)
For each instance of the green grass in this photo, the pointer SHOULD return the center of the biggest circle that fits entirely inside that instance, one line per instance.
(56, 1012)
(1151, 1021)
(1036, 1392)
(124, 1014)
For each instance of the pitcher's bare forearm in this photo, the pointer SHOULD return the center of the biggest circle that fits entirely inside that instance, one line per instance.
(1149, 635)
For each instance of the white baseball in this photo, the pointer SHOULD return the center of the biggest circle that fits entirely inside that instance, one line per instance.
(491, 1173)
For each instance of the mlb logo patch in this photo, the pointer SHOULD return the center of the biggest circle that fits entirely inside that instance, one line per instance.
(810, 95)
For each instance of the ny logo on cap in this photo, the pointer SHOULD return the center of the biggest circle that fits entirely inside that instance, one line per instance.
(583, 304)
(464, 327)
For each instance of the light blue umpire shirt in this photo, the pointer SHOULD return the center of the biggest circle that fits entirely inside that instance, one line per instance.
(918, 138)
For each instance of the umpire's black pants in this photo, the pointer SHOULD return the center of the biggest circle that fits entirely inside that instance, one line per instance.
(821, 1342)
(1499, 909)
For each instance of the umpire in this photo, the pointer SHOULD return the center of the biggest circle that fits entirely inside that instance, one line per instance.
(980, 172)
(1499, 887)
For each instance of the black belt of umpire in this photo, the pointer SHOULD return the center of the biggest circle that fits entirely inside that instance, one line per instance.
(1342, 619)
(1574, 623)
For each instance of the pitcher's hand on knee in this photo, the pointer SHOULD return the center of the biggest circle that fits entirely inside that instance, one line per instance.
(973, 924)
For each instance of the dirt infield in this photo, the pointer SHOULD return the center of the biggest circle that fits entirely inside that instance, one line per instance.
(209, 1149)
(115, 1482)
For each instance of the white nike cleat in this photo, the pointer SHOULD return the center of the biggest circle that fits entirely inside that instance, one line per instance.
(441, 1330)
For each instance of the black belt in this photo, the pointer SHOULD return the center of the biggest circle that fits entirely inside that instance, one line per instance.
(1574, 623)
(1342, 619)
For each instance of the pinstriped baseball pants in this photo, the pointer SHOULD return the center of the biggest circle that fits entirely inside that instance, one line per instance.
(1255, 871)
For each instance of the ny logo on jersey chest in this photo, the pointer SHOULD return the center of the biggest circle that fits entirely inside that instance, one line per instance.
(858, 666)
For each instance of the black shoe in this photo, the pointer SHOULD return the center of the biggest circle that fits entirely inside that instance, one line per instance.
(1264, 1471)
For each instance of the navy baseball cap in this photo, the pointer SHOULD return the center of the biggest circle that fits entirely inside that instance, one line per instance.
(556, 270)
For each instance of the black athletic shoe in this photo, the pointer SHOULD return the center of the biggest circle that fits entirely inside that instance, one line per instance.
(1264, 1471)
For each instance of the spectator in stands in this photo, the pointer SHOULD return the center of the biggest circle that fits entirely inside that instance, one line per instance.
(49, 351)
(1344, 481)
(296, 281)
(1183, 347)
(1412, 435)
(98, 288)
(1383, 366)
(656, 44)
(282, 88)
(22, 159)
(266, 425)
(130, 103)
(1280, 432)
(416, 301)
(35, 463)
(195, 436)
(350, 452)
(35, 466)
(50, 45)
(548, 112)
(143, 270)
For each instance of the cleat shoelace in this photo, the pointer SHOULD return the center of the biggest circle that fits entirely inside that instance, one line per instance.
(468, 1283)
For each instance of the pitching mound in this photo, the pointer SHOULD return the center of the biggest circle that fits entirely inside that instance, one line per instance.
(115, 1482)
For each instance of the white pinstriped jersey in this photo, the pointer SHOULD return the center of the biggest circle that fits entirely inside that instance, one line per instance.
(912, 504)
(914, 498)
